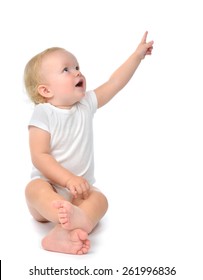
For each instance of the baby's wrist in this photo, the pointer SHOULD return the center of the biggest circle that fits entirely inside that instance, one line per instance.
(68, 181)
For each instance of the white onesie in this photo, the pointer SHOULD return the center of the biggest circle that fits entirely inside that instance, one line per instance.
(71, 133)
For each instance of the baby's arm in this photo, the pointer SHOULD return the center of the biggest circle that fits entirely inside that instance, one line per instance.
(43, 160)
(124, 73)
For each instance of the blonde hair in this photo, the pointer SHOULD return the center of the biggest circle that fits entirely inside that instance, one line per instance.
(32, 77)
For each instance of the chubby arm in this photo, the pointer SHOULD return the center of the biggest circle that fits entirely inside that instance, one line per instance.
(124, 73)
(42, 159)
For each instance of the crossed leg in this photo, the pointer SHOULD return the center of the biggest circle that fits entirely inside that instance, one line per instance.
(73, 221)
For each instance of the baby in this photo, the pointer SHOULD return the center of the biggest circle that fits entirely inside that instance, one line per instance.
(61, 189)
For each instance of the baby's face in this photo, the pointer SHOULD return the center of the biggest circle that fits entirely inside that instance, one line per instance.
(62, 78)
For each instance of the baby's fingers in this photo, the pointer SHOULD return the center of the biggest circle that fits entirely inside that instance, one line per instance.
(144, 38)
(150, 48)
(85, 190)
(73, 190)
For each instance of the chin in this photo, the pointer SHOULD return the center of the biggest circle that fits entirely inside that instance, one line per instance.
(82, 93)
(80, 96)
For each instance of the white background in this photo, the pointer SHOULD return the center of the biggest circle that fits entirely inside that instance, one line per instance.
(148, 139)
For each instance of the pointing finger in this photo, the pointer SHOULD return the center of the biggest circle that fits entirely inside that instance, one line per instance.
(144, 38)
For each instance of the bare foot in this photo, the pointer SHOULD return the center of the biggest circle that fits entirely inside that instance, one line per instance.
(71, 216)
(68, 242)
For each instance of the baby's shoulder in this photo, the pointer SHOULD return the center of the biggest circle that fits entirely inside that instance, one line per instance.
(43, 107)
(42, 110)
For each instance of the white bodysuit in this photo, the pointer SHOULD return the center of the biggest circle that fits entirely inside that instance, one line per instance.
(71, 132)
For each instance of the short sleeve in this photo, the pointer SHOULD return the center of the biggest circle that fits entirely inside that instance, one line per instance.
(40, 118)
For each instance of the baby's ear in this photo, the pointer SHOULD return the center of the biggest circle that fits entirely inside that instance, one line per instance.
(44, 91)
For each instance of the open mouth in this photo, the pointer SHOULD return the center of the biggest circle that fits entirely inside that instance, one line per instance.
(79, 84)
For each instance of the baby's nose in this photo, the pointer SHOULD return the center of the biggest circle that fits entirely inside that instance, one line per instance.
(76, 72)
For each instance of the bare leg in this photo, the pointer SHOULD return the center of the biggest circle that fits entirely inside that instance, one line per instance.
(40, 196)
(77, 219)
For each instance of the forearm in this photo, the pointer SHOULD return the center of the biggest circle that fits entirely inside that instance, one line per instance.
(117, 80)
(51, 169)
(125, 72)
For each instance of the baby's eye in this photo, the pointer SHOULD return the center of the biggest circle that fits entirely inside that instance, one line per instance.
(71, 69)
(66, 69)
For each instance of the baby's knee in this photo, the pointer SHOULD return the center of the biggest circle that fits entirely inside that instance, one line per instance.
(35, 186)
(29, 189)
(102, 199)
(105, 201)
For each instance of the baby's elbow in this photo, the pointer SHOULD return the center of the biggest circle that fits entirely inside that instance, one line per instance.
(38, 160)
(35, 160)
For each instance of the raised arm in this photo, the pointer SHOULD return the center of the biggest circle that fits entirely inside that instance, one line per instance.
(123, 74)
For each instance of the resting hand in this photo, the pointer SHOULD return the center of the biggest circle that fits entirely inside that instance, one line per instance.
(144, 48)
(78, 186)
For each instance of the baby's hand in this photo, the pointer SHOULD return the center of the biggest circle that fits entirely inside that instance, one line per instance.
(144, 48)
(78, 186)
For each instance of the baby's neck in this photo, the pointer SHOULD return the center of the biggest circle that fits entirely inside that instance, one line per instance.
(67, 107)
